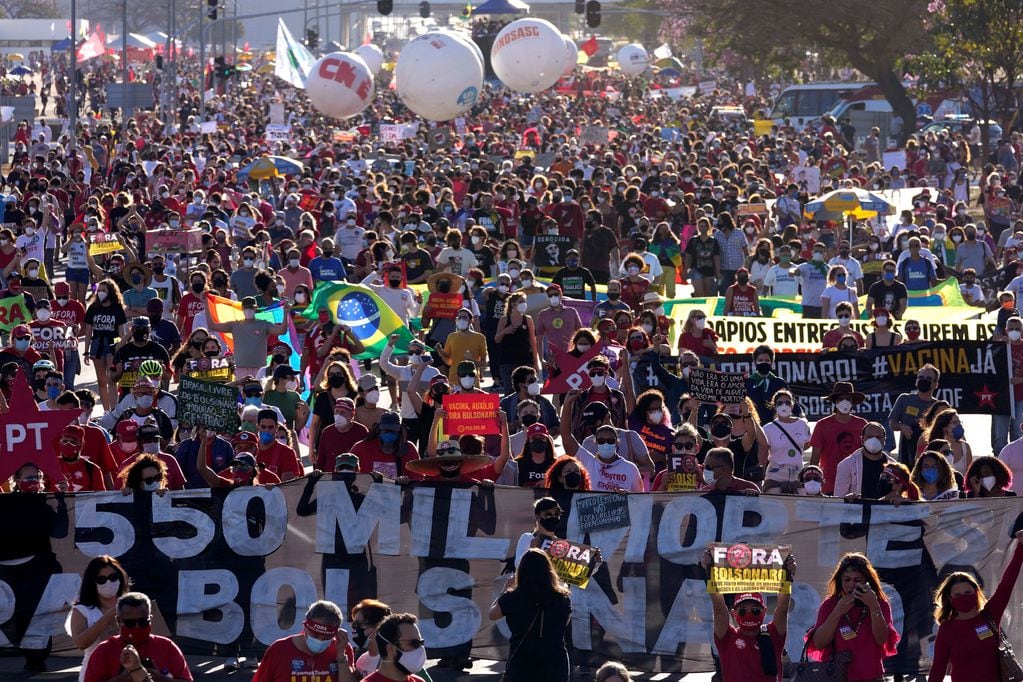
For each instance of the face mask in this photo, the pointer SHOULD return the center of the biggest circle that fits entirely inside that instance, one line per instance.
(633, 270)
(373, 397)
(783, 410)
(721, 430)
(598, 380)
(336, 381)
(583, 347)
(550, 524)
(109, 589)
(411, 661)
(144, 401)
(923, 385)
(555, 301)
(872, 445)
(22, 344)
(818, 256)
(533, 388)
(538, 446)
(136, 635)
(742, 279)
(812, 487)
(249, 313)
(467, 382)
(62, 301)
(708, 476)
(151, 448)
(462, 324)
(844, 406)
(873, 246)
(140, 335)
(101, 295)
(248, 262)
(655, 416)
(930, 475)
(521, 308)
(988, 482)
(316, 646)
(607, 451)
(700, 324)
(526, 283)
(763, 368)
(1014, 335)
(964, 603)
(613, 295)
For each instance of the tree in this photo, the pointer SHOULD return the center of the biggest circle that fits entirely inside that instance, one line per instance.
(977, 46)
(872, 37)
(28, 9)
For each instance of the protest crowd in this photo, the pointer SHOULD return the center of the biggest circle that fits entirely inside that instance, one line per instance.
(574, 291)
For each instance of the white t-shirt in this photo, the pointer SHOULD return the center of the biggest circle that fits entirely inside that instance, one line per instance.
(92, 616)
(781, 450)
(349, 241)
(836, 296)
(33, 246)
(461, 260)
(781, 282)
(619, 474)
(1012, 456)
(851, 265)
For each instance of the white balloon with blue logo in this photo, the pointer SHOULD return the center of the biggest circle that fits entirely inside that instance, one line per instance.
(438, 76)
(633, 59)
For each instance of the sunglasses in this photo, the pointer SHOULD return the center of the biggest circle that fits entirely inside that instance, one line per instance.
(448, 451)
(812, 478)
(104, 579)
(597, 373)
(606, 441)
(755, 611)
(69, 441)
(684, 446)
(135, 622)
(690, 364)
(783, 402)
(150, 480)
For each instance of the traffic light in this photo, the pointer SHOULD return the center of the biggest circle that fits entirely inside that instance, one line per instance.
(580, 6)
(211, 12)
(312, 38)
(385, 7)
(593, 13)
(424, 9)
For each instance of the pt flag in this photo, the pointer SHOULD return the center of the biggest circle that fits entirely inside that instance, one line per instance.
(366, 314)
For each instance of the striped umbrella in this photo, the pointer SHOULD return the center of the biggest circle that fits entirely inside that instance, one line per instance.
(857, 203)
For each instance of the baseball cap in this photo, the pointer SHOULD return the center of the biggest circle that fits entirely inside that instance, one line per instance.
(42, 303)
(466, 368)
(144, 382)
(283, 372)
(595, 412)
(21, 330)
(750, 596)
(346, 461)
(244, 458)
(243, 441)
(368, 382)
(554, 289)
(345, 404)
(147, 433)
(127, 430)
(537, 429)
(61, 289)
(74, 430)
(390, 421)
(141, 322)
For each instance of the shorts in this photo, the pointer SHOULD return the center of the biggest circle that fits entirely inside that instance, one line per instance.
(696, 275)
(77, 275)
(101, 347)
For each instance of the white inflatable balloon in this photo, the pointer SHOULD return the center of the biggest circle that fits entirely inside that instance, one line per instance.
(438, 76)
(633, 59)
(372, 55)
(528, 55)
(340, 85)
(465, 38)
(573, 56)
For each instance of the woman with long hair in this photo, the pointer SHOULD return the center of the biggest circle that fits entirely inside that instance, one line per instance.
(968, 623)
(988, 477)
(947, 425)
(855, 619)
(935, 478)
(652, 421)
(336, 381)
(147, 473)
(93, 617)
(567, 474)
(537, 456)
(105, 322)
(515, 340)
(696, 336)
(537, 609)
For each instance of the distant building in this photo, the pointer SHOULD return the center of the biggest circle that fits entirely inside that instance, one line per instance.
(22, 36)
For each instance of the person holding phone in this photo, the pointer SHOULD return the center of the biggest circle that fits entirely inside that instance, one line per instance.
(855, 618)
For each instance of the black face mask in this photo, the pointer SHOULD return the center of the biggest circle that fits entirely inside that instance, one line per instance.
(450, 473)
(158, 269)
(721, 430)
(197, 287)
(550, 524)
(395, 283)
(219, 283)
(613, 295)
(528, 419)
(573, 479)
(211, 353)
(763, 368)
(336, 381)
(140, 335)
(742, 279)
(197, 344)
(538, 446)
(279, 359)
(924, 385)
(359, 637)
(154, 320)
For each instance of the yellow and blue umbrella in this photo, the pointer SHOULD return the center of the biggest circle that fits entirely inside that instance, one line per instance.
(271, 167)
(857, 203)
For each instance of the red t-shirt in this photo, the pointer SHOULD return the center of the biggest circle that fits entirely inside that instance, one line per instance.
(372, 458)
(854, 635)
(737, 485)
(189, 306)
(71, 314)
(105, 662)
(333, 443)
(379, 677)
(284, 662)
(48, 336)
(280, 459)
(175, 478)
(81, 475)
(836, 441)
(687, 341)
(97, 449)
(740, 656)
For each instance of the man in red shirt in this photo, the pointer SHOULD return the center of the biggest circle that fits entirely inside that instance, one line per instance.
(339, 437)
(49, 334)
(740, 648)
(21, 345)
(158, 656)
(836, 436)
(568, 213)
(386, 448)
(126, 441)
(192, 303)
(271, 453)
(402, 650)
(65, 309)
(719, 473)
(80, 475)
(317, 653)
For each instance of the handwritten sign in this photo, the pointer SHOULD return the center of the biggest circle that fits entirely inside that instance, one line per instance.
(276, 132)
(709, 386)
(748, 568)
(602, 512)
(472, 413)
(217, 370)
(104, 242)
(204, 403)
(442, 306)
(174, 241)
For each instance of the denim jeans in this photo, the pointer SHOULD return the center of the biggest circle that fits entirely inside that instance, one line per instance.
(1005, 429)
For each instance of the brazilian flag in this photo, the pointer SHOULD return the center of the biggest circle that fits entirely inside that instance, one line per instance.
(369, 317)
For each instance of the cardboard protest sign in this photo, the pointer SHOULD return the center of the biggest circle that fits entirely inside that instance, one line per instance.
(439, 138)
(204, 403)
(683, 473)
(572, 561)
(759, 208)
(601, 512)
(217, 370)
(442, 306)
(130, 374)
(572, 370)
(472, 413)
(276, 132)
(13, 311)
(104, 242)
(748, 568)
(709, 386)
(174, 241)
(208, 127)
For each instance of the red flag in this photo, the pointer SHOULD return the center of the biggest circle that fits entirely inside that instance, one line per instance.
(246, 46)
(92, 47)
(573, 370)
(590, 47)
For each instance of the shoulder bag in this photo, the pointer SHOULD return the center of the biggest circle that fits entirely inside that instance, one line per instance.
(1008, 665)
(821, 671)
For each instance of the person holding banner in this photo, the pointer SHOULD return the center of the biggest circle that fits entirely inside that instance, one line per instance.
(855, 617)
(696, 336)
(969, 633)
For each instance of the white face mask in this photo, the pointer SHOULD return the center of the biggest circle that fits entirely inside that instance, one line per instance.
(598, 380)
(294, 262)
(373, 397)
(812, 487)
(340, 421)
(43, 314)
(844, 406)
(708, 476)
(783, 410)
(648, 328)
(533, 388)
(818, 256)
(521, 308)
(633, 270)
(555, 301)
(299, 297)
(655, 416)
(988, 482)
(467, 382)
(582, 347)
(101, 295)
(109, 589)
(1014, 334)
(873, 445)
(526, 283)
(882, 320)
(700, 324)
(844, 321)
(151, 487)
(33, 273)
(513, 273)
(462, 324)
(249, 313)
(412, 660)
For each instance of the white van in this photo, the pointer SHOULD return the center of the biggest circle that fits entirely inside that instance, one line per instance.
(801, 104)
